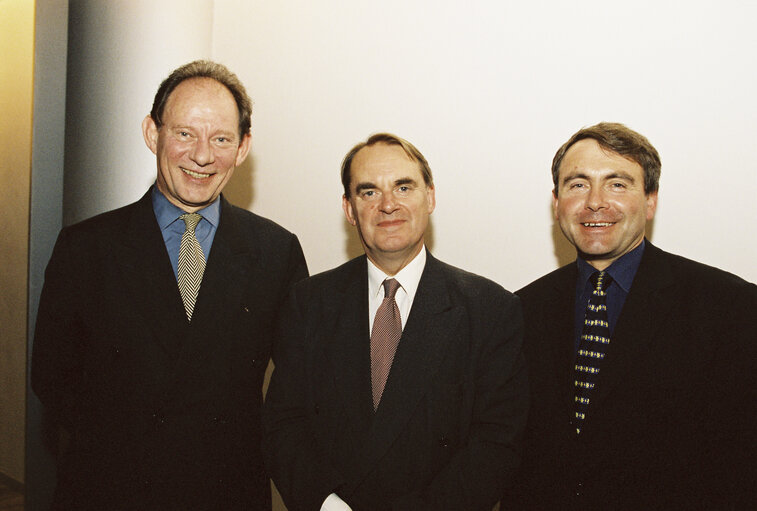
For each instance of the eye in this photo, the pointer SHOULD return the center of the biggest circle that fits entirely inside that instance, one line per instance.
(618, 185)
(404, 188)
(183, 133)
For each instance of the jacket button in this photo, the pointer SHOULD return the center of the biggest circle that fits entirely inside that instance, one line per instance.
(444, 442)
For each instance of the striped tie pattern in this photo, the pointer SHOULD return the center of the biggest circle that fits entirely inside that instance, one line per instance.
(385, 336)
(191, 263)
(595, 337)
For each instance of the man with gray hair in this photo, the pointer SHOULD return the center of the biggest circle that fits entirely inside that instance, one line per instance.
(156, 319)
(399, 380)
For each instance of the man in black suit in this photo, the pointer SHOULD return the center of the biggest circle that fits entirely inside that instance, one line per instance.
(669, 421)
(158, 391)
(442, 431)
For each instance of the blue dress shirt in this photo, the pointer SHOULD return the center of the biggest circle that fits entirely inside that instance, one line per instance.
(622, 271)
(172, 228)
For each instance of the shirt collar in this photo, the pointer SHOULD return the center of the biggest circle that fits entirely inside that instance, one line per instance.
(622, 270)
(167, 213)
(409, 277)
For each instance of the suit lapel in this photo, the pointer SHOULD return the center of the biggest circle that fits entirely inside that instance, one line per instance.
(347, 344)
(560, 326)
(148, 276)
(231, 261)
(648, 303)
(425, 339)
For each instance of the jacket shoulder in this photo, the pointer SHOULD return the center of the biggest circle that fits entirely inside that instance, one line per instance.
(548, 283)
(700, 278)
(248, 220)
(468, 283)
(108, 222)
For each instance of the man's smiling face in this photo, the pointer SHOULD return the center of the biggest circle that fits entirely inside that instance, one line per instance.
(600, 202)
(199, 144)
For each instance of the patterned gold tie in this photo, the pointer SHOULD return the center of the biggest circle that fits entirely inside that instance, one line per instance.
(385, 336)
(595, 337)
(191, 263)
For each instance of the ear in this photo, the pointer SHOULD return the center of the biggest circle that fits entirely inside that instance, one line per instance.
(554, 203)
(431, 198)
(243, 149)
(348, 212)
(651, 205)
(150, 134)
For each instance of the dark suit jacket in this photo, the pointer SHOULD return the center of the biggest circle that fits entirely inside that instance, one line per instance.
(160, 414)
(673, 423)
(446, 434)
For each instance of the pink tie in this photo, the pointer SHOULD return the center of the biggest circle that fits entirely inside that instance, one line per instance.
(387, 330)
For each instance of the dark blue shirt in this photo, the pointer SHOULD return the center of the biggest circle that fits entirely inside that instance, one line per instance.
(622, 271)
(172, 228)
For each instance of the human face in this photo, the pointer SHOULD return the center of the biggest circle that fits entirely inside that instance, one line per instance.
(600, 203)
(199, 145)
(389, 204)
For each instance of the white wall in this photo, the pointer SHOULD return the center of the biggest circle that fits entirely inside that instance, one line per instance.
(488, 90)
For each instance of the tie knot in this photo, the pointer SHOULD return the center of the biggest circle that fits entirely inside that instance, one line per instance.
(191, 220)
(600, 280)
(390, 288)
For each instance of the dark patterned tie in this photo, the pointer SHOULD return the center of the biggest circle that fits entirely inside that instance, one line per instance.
(385, 336)
(191, 263)
(595, 337)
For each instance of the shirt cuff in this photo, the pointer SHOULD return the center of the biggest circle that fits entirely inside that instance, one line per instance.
(334, 503)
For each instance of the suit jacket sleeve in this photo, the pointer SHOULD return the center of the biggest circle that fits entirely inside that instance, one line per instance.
(56, 373)
(302, 475)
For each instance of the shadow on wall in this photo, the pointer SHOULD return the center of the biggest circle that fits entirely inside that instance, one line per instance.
(563, 250)
(240, 190)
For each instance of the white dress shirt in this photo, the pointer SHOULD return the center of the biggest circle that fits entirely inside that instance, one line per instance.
(409, 277)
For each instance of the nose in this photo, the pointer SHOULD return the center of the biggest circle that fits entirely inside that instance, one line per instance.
(202, 153)
(596, 199)
(388, 203)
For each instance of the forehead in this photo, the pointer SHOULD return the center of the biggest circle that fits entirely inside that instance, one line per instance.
(373, 162)
(202, 95)
(587, 156)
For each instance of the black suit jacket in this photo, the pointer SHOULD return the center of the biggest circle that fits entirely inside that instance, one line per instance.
(160, 414)
(673, 422)
(447, 431)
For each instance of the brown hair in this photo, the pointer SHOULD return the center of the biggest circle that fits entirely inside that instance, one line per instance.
(204, 69)
(389, 139)
(619, 139)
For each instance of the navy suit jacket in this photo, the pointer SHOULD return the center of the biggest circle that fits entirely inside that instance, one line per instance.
(446, 434)
(673, 424)
(160, 413)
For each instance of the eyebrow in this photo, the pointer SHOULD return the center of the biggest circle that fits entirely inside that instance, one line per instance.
(614, 175)
(405, 181)
(364, 186)
(220, 132)
(369, 186)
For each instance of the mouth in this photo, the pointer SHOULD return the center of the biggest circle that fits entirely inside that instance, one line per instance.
(597, 224)
(196, 175)
(390, 223)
